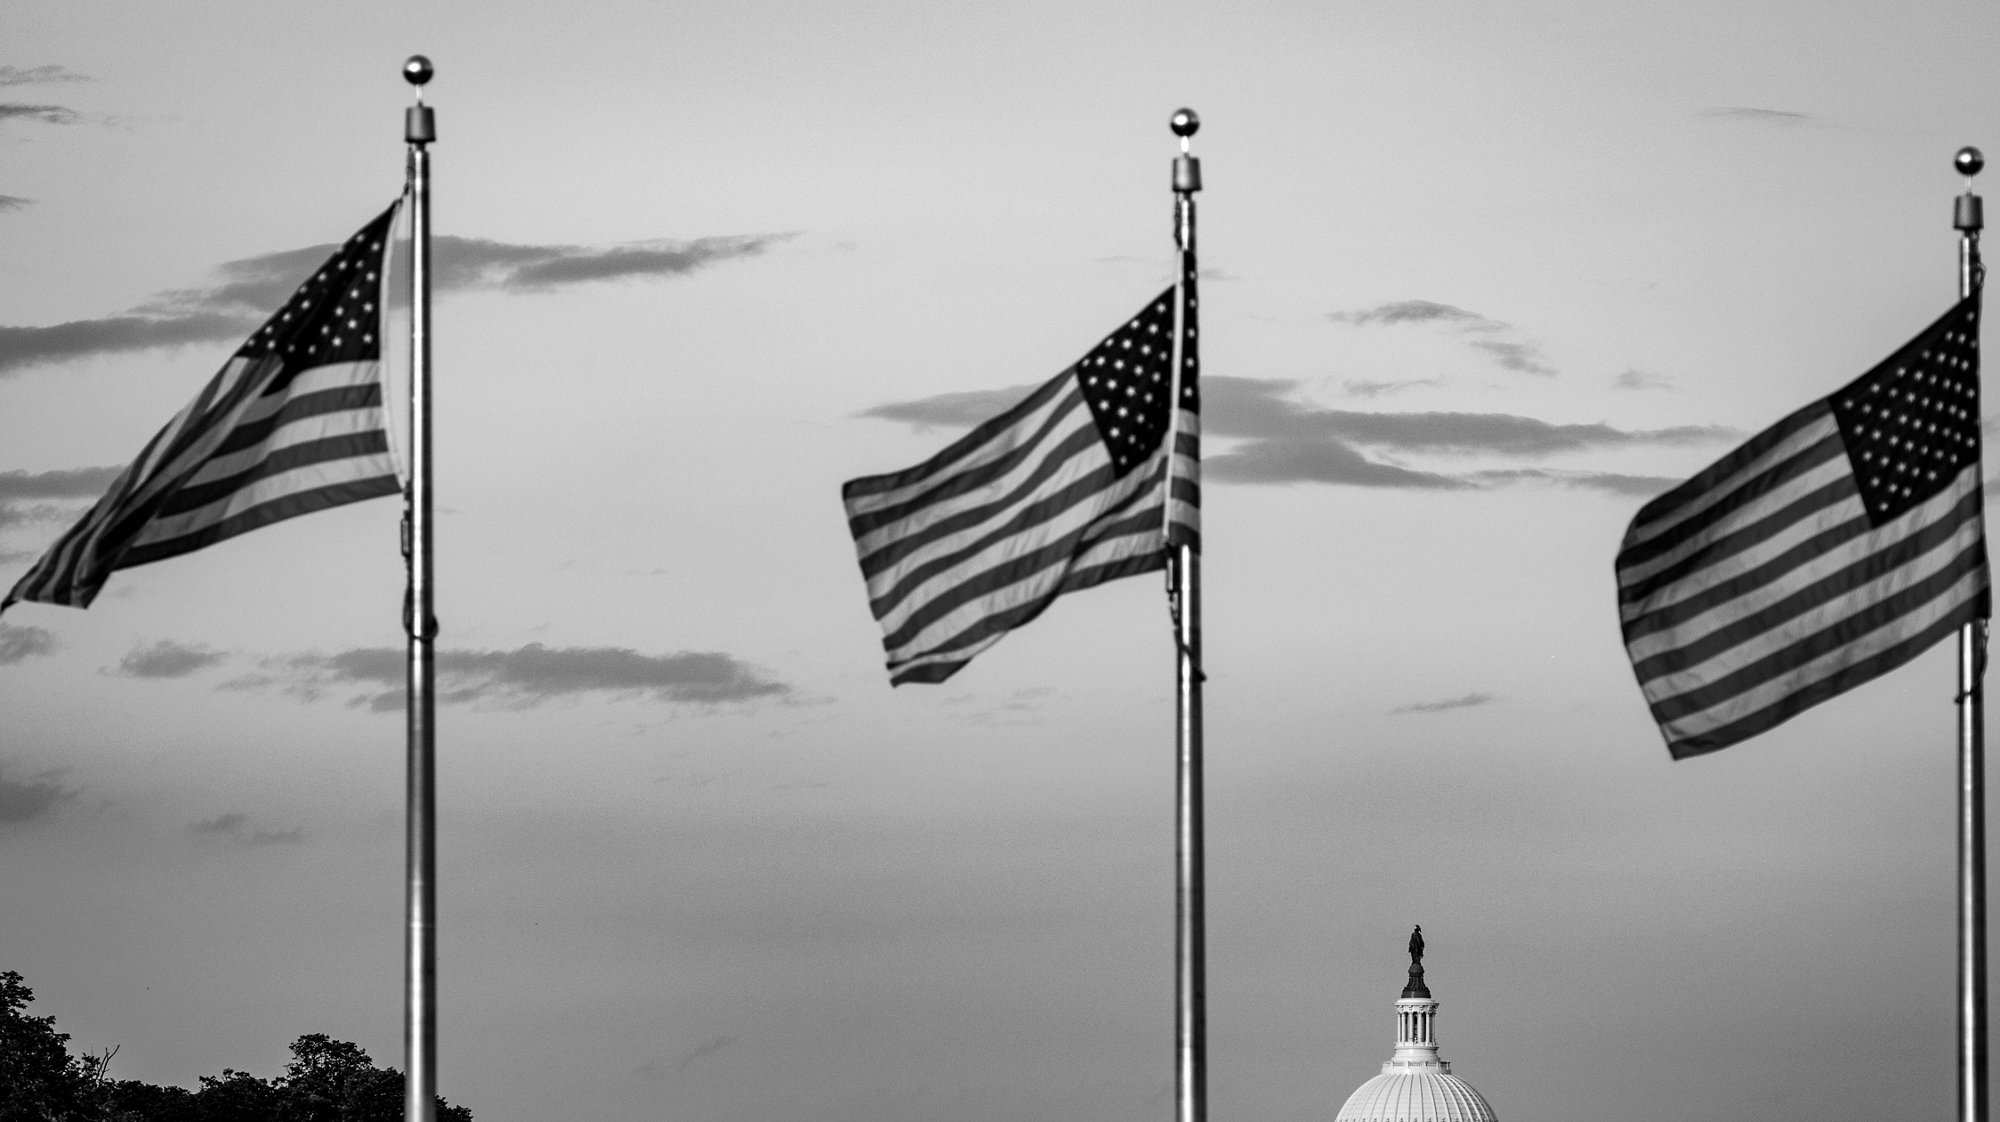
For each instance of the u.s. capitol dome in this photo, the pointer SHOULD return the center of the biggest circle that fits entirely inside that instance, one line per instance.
(1415, 1085)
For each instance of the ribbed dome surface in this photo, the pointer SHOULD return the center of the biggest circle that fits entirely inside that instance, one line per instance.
(1429, 1096)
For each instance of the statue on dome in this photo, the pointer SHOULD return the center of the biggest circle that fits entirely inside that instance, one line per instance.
(1416, 988)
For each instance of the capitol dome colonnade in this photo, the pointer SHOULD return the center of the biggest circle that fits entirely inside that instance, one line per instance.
(1416, 1085)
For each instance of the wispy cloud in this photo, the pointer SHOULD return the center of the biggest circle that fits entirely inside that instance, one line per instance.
(39, 75)
(706, 1048)
(64, 483)
(1361, 387)
(1609, 482)
(521, 678)
(1419, 311)
(1286, 440)
(479, 263)
(46, 114)
(167, 659)
(252, 288)
(14, 202)
(23, 800)
(1511, 354)
(1317, 460)
(19, 643)
(1467, 702)
(1640, 380)
(49, 496)
(1755, 116)
(949, 410)
(1525, 357)
(1289, 441)
(1022, 707)
(236, 828)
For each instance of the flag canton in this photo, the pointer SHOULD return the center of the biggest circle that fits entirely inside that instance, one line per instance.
(1912, 423)
(1128, 382)
(332, 317)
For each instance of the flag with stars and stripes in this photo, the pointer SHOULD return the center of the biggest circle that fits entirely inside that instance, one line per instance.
(1833, 547)
(293, 423)
(1070, 488)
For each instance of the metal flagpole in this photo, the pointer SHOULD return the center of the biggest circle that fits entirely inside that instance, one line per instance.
(420, 936)
(1972, 1089)
(1190, 930)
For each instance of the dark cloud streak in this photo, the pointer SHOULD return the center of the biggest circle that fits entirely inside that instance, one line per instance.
(18, 644)
(525, 677)
(39, 75)
(235, 827)
(167, 659)
(1419, 311)
(23, 800)
(1288, 441)
(1467, 702)
(69, 483)
(253, 287)
(46, 114)
(1754, 115)
(1517, 355)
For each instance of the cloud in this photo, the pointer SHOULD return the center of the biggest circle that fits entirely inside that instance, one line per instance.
(236, 828)
(18, 643)
(1358, 387)
(65, 483)
(707, 1048)
(1466, 702)
(1262, 408)
(14, 202)
(167, 659)
(1284, 440)
(1640, 380)
(1757, 116)
(479, 263)
(949, 410)
(22, 800)
(1613, 483)
(1419, 311)
(522, 678)
(253, 287)
(34, 346)
(46, 114)
(1525, 357)
(36, 75)
(1322, 460)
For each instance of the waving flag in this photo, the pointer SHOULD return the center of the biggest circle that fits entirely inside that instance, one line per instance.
(1833, 547)
(293, 423)
(1066, 490)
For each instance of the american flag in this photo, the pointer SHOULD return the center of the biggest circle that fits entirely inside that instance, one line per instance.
(1066, 490)
(293, 423)
(1833, 547)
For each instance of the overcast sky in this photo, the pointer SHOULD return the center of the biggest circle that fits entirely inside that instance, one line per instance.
(1479, 279)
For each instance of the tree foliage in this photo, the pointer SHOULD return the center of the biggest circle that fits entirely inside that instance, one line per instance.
(328, 1080)
(39, 1079)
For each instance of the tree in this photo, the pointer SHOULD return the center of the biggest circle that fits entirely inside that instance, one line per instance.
(331, 1080)
(39, 1080)
(328, 1080)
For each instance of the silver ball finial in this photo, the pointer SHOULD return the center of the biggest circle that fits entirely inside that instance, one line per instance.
(1185, 123)
(1968, 161)
(417, 70)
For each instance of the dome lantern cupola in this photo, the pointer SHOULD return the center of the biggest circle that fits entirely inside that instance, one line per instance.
(1415, 1084)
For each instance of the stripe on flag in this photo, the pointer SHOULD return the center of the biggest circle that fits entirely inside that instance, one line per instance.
(293, 423)
(1063, 491)
(1831, 548)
